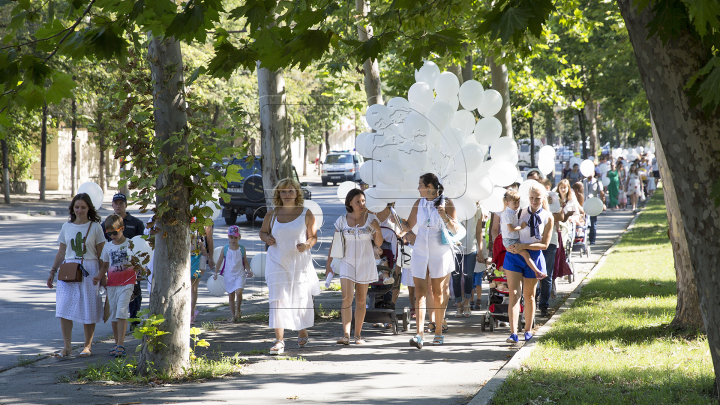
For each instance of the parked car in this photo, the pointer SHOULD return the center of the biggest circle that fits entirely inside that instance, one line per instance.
(341, 166)
(524, 152)
(247, 197)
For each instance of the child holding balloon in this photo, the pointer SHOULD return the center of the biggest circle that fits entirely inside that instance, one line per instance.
(235, 269)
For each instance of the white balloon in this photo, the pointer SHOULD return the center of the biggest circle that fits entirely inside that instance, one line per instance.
(593, 206)
(368, 170)
(473, 155)
(399, 109)
(421, 98)
(592, 158)
(390, 172)
(503, 173)
(554, 202)
(416, 128)
(546, 165)
(524, 189)
(651, 149)
(464, 120)
(639, 150)
(405, 202)
(373, 141)
(491, 103)
(481, 189)
(387, 192)
(440, 115)
(587, 168)
(216, 287)
(215, 210)
(95, 192)
(483, 169)
(414, 159)
(465, 207)
(494, 203)
(603, 168)
(488, 130)
(605, 181)
(344, 188)
(428, 73)
(372, 202)
(378, 117)
(546, 151)
(316, 210)
(504, 148)
(447, 85)
(360, 143)
(257, 264)
(575, 161)
(141, 249)
(471, 94)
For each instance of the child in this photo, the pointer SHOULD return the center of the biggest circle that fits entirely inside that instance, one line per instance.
(383, 269)
(121, 279)
(651, 183)
(235, 269)
(198, 253)
(511, 230)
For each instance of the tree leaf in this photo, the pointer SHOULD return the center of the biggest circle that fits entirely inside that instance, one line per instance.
(61, 87)
(703, 13)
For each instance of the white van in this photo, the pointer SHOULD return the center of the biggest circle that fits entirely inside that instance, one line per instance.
(341, 166)
(524, 152)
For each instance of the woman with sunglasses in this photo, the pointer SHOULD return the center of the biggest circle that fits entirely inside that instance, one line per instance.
(81, 240)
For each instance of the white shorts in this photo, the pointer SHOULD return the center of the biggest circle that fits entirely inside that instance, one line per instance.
(119, 298)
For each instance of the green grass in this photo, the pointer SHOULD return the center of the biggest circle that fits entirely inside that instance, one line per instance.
(615, 346)
(258, 317)
(324, 314)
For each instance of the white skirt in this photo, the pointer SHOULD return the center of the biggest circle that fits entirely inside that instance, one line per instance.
(407, 278)
(79, 301)
(234, 282)
(296, 315)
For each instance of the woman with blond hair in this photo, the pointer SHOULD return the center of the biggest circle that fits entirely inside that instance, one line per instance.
(290, 231)
(521, 279)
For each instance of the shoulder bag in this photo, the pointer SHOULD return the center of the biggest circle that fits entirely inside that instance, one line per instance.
(73, 272)
(449, 238)
(338, 244)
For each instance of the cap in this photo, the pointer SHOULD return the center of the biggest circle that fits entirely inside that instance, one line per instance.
(119, 196)
(234, 231)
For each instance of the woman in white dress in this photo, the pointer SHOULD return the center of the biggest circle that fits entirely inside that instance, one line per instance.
(633, 186)
(430, 258)
(290, 231)
(80, 238)
(357, 268)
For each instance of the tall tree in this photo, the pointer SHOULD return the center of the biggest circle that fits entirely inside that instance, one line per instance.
(43, 152)
(500, 83)
(371, 71)
(5, 169)
(73, 147)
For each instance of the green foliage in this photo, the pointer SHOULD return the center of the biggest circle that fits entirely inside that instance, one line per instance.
(194, 333)
(148, 330)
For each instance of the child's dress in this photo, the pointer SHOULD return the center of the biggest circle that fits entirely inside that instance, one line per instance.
(234, 270)
(651, 184)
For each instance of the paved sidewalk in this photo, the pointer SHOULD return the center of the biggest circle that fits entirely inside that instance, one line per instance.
(386, 370)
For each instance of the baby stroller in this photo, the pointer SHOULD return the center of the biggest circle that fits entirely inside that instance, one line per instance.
(498, 304)
(580, 238)
(566, 238)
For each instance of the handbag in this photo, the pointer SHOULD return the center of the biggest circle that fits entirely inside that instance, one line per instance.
(338, 244)
(73, 272)
(448, 238)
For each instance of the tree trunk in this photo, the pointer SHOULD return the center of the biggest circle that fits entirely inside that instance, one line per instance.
(457, 70)
(6, 170)
(43, 152)
(327, 140)
(305, 156)
(532, 143)
(73, 153)
(499, 74)
(467, 69)
(101, 145)
(687, 311)
(373, 89)
(170, 296)
(591, 112)
(274, 138)
(691, 141)
(583, 136)
(550, 138)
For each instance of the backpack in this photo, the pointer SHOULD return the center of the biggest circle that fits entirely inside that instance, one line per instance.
(225, 250)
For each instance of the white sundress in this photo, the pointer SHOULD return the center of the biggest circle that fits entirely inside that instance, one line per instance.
(80, 301)
(428, 251)
(234, 273)
(633, 185)
(290, 277)
(358, 263)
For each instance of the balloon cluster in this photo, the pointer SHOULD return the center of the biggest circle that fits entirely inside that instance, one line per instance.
(426, 133)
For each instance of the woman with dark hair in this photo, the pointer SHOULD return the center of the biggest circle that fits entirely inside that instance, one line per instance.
(431, 258)
(290, 231)
(357, 268)
(81, 239)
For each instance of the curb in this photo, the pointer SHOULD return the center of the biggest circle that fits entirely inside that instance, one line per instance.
(487, 392)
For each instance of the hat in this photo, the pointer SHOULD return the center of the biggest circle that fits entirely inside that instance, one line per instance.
(119, 196)
(234, 231)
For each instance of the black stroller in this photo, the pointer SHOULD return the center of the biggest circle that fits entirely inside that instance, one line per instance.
(498, 304)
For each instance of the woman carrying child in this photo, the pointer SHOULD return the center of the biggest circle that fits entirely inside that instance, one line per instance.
(81, 241)
(290, 231)
(235, 270)
(534, 238)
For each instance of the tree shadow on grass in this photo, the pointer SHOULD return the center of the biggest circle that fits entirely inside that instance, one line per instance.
(610, 289)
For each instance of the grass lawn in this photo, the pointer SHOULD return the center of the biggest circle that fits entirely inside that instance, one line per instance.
(614, 346)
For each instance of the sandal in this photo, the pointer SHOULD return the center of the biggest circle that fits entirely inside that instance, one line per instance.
(430, 327)
(445, 328)
(416, 342)
(302, 341)
(64, 355)
(477, 305)
(459, 310)
(278, 348)
(467, 311)
(113, 351)
(412, 313)
(192, 319)
(120, 351)
(85, 353)
(345, 340)
(438, 340)
(377, 325)
(359, 340)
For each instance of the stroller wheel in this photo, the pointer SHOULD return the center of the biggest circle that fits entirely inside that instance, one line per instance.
(395, 328)
(492, 324)
(482, 324)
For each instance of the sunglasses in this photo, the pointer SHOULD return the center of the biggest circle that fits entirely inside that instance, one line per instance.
(113, 233)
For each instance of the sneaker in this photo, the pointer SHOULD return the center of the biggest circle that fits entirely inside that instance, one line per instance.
(512, 339)
(528, 336)
(543, 312)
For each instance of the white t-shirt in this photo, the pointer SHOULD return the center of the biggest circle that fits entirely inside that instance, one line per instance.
(509, 217)
(525, 233)
(69, 236)
(654, 164)
(469, 244)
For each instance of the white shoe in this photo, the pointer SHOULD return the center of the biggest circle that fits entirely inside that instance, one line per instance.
(389, 280)
(278, 348)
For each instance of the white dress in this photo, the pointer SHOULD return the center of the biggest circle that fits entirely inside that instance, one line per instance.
(290, 277)
(428, 251)
(633, 185)
(234, 273)
(79, 301)
(358, 263)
